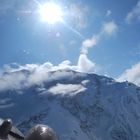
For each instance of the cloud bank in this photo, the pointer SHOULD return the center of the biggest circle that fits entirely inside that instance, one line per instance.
(18, 76)
(131, 75)
(134, 14)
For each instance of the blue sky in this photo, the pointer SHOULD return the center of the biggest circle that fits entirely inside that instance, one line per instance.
(108, 31)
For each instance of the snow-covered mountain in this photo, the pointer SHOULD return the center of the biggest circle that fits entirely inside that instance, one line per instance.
(78, 106)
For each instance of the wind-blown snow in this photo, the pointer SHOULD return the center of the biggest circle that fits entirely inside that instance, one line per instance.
(66, 89)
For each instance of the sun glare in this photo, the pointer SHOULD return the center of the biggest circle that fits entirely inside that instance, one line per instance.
(50, 13)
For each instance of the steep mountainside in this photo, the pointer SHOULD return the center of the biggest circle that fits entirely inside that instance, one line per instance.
(78, 106)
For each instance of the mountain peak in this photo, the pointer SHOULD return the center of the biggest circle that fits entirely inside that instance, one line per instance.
(77, 105)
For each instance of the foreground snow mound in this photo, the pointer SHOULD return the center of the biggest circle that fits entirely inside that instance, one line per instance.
(78, 106)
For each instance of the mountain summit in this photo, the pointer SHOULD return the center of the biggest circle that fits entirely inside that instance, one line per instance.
(78, 106)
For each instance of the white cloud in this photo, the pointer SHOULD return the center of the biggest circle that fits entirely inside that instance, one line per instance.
(65, 64)
(132, 74)
(11, 81)
(88, 43)
(84, 64)
(134, 14)
(108, 28)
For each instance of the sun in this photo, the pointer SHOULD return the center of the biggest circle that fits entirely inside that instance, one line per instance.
(50, 13)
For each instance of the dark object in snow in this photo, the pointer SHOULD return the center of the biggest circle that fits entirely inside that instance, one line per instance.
(9, 132)
(41, 132)
(5, 128)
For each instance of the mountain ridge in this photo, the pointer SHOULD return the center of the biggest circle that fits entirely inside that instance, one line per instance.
(77, 105)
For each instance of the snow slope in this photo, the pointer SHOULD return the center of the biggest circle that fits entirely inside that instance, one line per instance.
(78, 106)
